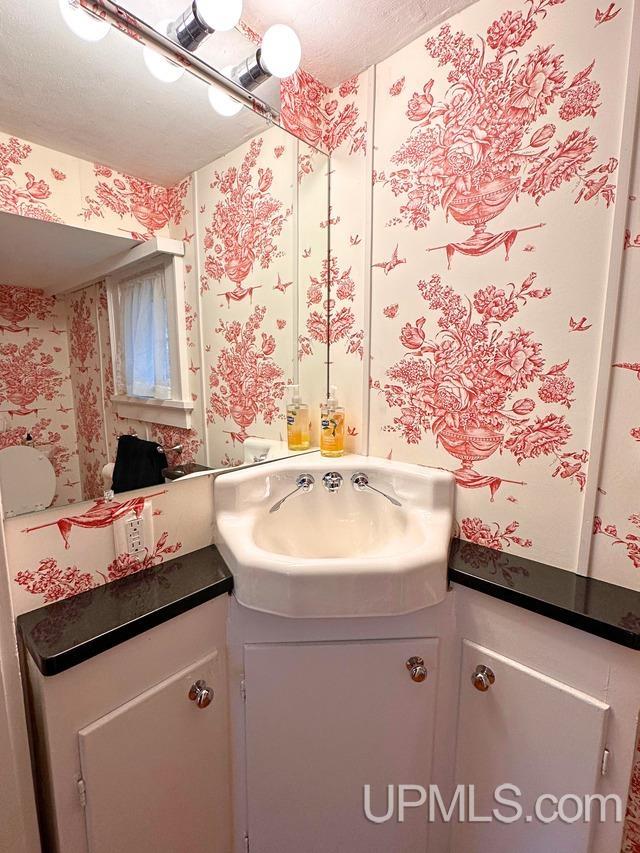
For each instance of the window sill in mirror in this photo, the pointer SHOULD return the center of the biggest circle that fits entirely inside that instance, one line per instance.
(175, 413)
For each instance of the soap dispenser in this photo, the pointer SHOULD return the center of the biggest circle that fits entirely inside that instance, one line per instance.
(331, 425)
(297, 421)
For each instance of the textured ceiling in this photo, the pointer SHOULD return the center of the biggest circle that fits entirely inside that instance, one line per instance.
(341, 38)
(98, 102)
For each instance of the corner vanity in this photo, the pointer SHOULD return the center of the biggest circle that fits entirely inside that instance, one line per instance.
(170, 713)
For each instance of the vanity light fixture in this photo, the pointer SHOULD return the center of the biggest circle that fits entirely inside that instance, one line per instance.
(221, 102)
(278, 56)
(201, 19)
(82, 21)
(159, 66)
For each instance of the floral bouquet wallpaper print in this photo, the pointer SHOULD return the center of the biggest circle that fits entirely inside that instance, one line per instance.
(494, 186)
(466, 386)
(481, 141)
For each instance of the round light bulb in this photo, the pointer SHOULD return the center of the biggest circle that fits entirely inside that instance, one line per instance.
(280, 51)
(84, 24)
(221, 102)
(219, 15)
(159, 66)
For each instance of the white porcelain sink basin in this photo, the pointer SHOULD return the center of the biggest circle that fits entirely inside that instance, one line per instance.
(341, 553)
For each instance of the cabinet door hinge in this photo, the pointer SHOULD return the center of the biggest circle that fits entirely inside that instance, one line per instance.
(243, 690)
(604, 766)
(246, 843)
(82, 793)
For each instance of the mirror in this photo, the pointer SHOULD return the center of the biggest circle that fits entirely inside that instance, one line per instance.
(111, 176)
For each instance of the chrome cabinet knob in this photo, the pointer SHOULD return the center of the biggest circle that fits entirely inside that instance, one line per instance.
(417, 669)
(482, 678)
(201, 694)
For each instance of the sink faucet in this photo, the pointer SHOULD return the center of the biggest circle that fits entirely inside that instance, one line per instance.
(304, 482)
(360, 482)
(332, 481)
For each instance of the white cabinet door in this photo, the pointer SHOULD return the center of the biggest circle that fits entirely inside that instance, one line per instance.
(530, 731)
(323, 720)
(156, 770)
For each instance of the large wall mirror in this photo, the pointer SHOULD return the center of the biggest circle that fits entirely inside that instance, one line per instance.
(129, 205)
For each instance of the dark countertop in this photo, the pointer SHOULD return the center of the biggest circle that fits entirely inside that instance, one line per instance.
(600, 608)
(69, 632)
(177, 472)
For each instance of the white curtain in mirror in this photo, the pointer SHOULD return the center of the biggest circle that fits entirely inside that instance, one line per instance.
(144, 324)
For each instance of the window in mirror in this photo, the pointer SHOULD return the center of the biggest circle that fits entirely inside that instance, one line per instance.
(147, 322)
(144, 326)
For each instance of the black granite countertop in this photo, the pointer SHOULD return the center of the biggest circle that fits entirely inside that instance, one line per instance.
(600, 608)
(69, 632)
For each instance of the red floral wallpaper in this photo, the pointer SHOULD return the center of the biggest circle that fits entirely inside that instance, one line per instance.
(497, 140)
(153, 207)
(20, 191)
(337, 121)
(467, 386)
(616, 542)
(248, 268)
(35, 388)
(58, 553)
(43, 184)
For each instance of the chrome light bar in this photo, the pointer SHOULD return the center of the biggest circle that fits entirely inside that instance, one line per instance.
(138, 29)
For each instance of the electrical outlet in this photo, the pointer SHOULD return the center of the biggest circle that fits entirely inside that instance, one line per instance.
(134, 527)
(133, 534)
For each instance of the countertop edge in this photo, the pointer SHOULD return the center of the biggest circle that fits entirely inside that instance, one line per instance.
(582, 622)
(58, 662)
(203, 589)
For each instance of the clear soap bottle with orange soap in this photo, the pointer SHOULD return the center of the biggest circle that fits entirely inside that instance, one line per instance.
(298, 433)
(332, 425)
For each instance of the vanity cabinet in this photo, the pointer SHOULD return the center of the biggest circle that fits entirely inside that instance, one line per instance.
(322, 721)
(521, 727)
(560, 718)
(150, 768)
(126, 760)
(321, 708)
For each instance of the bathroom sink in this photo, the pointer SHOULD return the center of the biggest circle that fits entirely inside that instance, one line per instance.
(337, 551)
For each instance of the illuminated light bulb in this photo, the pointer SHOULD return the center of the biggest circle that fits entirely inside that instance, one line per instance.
(82, 23)
(280, 51)
(219, 15)
(221, 102)
(159, 66)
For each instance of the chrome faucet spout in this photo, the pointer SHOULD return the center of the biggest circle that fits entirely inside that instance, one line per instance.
(360, 482)
(304, 483)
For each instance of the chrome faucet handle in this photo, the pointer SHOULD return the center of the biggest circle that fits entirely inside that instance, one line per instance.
(332, 481)
(360, 482)
(304, 483)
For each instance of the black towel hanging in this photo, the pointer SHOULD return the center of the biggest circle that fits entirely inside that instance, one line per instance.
(139, 464)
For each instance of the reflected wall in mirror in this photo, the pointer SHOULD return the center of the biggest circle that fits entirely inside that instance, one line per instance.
(237, 207)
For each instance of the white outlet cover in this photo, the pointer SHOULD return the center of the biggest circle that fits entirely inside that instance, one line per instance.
(121, 528)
